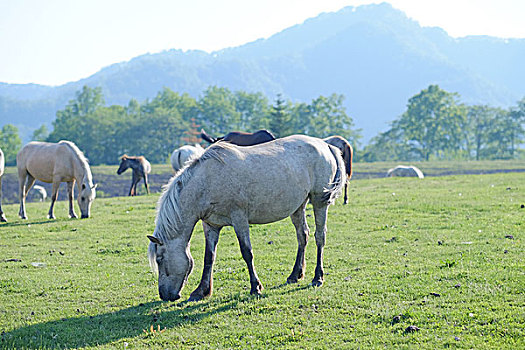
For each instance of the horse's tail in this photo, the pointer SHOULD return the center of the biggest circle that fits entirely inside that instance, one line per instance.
(207, 137)
(335, 187)
(348, 157)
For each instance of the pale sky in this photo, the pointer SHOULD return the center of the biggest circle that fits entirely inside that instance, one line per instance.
(52, 42)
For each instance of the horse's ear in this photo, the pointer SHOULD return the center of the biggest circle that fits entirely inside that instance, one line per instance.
(155, 240)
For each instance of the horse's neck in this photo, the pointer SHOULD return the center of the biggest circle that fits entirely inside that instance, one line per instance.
(83, 173)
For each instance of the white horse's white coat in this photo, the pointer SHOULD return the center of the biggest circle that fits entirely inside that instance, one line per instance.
(405, 171)
(238, 186)
(182, 155)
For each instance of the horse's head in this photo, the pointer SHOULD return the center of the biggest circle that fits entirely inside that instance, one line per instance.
(124, 165)
(85, 197)
(173, 263)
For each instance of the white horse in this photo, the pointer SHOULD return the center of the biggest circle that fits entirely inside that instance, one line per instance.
(182, 155)
(2, 164)
(405, 171)
(56, 163)
(238, 186)
(41, 192)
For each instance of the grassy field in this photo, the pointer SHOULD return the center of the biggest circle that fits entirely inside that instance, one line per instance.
(443, 254)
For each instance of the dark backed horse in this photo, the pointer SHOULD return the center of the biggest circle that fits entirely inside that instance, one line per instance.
(347, 153)
(141, 168)
(241, 138)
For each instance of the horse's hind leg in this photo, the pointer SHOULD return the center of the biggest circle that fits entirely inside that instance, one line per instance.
(70, 195)
(242, 230)
(146, 183)
(320, 213)
(205, 287)
(346, 197)
(302, 230)
(54, 196)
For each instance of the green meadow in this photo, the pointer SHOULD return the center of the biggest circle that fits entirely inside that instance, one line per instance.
(409, 263)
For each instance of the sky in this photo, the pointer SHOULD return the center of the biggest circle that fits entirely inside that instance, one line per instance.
(52, 42)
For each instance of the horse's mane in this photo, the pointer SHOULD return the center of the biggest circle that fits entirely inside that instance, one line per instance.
(83, 160)
(169, 220)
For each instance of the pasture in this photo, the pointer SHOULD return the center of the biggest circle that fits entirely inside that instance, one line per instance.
(443, 254)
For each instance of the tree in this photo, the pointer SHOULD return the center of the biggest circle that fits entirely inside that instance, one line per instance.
(280, 122)
(40, 134)
(218, 113)
(10, 143)
(432, 123)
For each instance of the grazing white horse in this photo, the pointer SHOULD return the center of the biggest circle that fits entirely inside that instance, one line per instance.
(42, 193)
(182, 155)
(405, 171)
(238, 186)
(2, 164)
(55, 163)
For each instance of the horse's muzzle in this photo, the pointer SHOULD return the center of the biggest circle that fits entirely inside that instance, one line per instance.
(169, 296)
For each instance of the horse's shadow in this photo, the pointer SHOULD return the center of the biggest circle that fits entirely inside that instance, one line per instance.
(84, 331)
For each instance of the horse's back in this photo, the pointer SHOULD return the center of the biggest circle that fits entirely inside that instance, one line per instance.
(43, 160)
(268, 181)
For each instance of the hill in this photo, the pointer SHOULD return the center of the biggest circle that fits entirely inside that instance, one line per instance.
(374, 54)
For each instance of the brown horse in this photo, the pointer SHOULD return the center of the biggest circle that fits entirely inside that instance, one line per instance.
(347, 153)
(241, 138)
(141, 168)
(2, 163)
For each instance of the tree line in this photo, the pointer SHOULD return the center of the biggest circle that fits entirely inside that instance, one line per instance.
(436, 125)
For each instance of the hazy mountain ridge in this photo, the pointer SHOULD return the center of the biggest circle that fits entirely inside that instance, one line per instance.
(373, 54)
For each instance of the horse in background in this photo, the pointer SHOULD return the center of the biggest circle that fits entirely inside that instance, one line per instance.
(347, 152)
(141, 168)
(2, 164)
(184, 154)
(241, 138)
(55, 163)
(405, 171)
(238, 186)
(40, 192)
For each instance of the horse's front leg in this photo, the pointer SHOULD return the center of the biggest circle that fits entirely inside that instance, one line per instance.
(25, 181)
(242, 230)
(70, 195)
(320, 213)
(205, 287)
(54, 197)
(133, 183)
(302, 230)
(2, 215)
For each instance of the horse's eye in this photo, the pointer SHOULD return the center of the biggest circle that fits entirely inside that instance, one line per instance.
(82, 198)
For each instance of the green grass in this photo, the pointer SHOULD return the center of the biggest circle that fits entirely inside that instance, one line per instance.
(431, 253)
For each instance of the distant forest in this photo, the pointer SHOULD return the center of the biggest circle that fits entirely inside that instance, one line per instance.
(436, 125)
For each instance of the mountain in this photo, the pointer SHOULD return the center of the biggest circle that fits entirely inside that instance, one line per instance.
(373, 54)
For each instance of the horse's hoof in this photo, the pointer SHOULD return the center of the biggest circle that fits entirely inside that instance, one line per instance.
(317, 283)
(194, 298)
(74, 216)
(51, 217)
(3, 219)
(291, 280)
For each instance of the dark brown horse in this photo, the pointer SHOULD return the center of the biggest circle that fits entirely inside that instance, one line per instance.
(141, 168)
(241, 138)
(347, 152)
